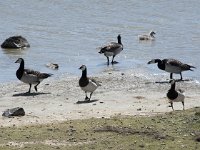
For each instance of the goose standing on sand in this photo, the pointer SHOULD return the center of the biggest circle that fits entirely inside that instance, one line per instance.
(175, 96)
(172, 66)
(112, 49)
(87, 84)
(146, 37)
(30, 76)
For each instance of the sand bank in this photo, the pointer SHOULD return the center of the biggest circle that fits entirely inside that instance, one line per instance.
(121, 93)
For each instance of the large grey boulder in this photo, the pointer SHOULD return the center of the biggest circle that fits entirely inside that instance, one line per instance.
(15, 42)
(18, 111)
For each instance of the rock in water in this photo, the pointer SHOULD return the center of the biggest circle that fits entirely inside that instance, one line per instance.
(15, 42)
(18, 111)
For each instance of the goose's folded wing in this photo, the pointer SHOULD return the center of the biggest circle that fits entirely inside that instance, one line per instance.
(174, 63)
(94, 81)
(111, 47)
(37, 74)
(31, 72)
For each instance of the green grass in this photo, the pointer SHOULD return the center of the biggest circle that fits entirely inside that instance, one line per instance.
(175, 130)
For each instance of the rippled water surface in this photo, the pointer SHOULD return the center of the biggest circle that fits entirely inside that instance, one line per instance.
(69, 32)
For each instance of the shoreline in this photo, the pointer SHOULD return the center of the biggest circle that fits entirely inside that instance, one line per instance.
(122, 93)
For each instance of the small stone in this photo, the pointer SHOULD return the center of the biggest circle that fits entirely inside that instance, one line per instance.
(139, 109)
(141, 145)
(18, 111)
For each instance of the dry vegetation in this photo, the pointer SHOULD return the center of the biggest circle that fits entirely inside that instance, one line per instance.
(174, 130)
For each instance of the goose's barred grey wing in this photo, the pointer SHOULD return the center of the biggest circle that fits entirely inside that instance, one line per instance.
(37, 73)
(176, 63)
(111, 47)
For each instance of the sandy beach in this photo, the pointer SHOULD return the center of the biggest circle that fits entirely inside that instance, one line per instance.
(121, 93)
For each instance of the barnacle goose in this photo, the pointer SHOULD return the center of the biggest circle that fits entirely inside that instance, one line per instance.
(175, 96)
(30, 76)
(87, 84)
(172, 66)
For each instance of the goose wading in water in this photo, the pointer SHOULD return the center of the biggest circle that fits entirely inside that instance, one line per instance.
(87, 84)
(30, 76)
(112, 49)
(175, 96)
(147, 37)
(172, 66)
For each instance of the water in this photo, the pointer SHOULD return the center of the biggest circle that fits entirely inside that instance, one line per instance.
(69, 33)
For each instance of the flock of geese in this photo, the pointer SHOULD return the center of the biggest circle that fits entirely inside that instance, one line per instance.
(112, 49)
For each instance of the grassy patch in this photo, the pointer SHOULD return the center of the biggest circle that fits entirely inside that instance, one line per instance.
(174, 130)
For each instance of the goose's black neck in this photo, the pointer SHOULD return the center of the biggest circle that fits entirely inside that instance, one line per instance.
(119, 39)
(84, 80)
(173, 86)
(84, 73)
(161, 64)
(20, 71)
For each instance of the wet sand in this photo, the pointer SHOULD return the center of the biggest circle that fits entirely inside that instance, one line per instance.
(121, 93)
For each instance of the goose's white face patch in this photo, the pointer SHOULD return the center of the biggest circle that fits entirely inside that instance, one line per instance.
(19, 60)
(172, 81)
(153, 61)
(83, 67)
(91, 87)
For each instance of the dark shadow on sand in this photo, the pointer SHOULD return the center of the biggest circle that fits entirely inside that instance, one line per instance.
(162, 82)
(86, 102)
(177, 80)
(29, 94)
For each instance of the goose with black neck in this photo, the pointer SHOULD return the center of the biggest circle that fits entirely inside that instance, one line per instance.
(112, 49)
(175, 96)
(172, 66)
(30, 76)
(87, 84)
